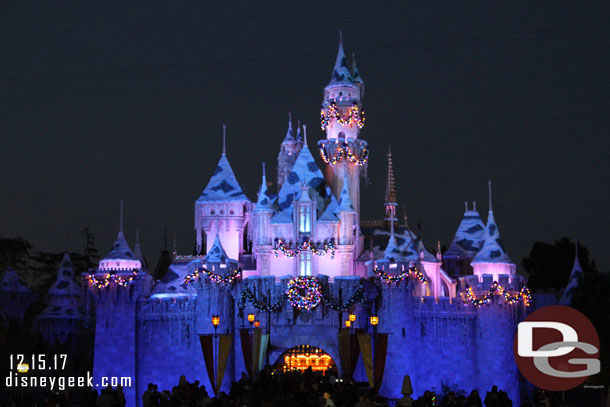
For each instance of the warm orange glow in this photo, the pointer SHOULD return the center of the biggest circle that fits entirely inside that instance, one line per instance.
(352, 317)
(374, 321)
(304, 357)
(348, 323)
(215, 320)
(257, 324)
(250, 317)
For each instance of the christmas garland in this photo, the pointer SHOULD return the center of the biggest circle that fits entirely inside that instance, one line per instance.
(357, 296)
(331, 112)
(247, 295)
(306, 245)
(217, 278)
(344, 150)
(113, 278)
(304, 292)
(411, 272)
(524, 294)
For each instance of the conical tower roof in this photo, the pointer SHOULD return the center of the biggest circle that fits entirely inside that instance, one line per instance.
(138, 249)
(289, 133)
(263, 202)
(468, 237)
(304, 169)
(341, 73)
(10, 282)
(329, 212)
(217, 253)
(356, 77)
(575, 276)
(492, 250)
(223, 186)
(64, 284)
(392, 250)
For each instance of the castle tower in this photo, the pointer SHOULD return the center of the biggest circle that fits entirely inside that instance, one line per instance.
(116, 286)
(390, 196)
(492, 259)
(222, 209)
(261, 221)
(288, 153)
(466, 243)
(342, 118)
(347, 220)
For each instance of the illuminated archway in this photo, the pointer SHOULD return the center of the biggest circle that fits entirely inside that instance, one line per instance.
(302, 357)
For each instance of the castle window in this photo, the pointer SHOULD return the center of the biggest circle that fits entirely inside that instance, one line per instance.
(222, 212)
(232, 212)
(305, 219)
(305, 264)
(212, 212)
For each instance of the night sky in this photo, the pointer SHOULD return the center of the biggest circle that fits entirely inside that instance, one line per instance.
(102, 102)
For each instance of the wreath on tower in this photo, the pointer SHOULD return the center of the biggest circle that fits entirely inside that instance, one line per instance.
(304, 293)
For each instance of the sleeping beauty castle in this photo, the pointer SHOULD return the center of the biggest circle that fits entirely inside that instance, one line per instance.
(295, 278)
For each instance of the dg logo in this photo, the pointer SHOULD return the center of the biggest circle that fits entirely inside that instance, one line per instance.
(556, 348)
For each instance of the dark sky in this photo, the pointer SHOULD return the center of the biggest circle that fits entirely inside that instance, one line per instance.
(106, 101)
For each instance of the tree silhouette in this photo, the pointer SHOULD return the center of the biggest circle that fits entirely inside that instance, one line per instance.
(549, 265)
(14, 252)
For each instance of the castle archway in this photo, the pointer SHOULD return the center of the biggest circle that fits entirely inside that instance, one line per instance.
(303, 357)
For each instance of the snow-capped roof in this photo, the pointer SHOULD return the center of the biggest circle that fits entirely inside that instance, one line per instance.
(289, 133)
(409, 245)
(137, 252)
(329, 212)
(10, 282)
(264, 201)
(345, 201)
(172, 284)
(575, 276)
(64, 284)
(468, 237)
(304, 169)
(217, 253)
(356, 77)
(284, 216)
(341, 73)
(223, 186)
(120, 249)
(392, 251)
(492, 250)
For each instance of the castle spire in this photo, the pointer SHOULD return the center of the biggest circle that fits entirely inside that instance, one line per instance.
(304, 135)
(390, 194)
(341, 73)
(289, 134)
(357, 78)
(490, 207)
(121, 220)
(224, 139)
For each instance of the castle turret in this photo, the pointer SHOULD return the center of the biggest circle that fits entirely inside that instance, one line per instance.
(62, 316)
(289, 151)
(492, 259)
(222, 209)
(342, 118)
(466, 243)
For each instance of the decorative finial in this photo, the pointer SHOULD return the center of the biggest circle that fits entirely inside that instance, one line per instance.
(137, 235)
(121, 220)
(439, 255)
(290, 120)
(490, 207)
(304, 134)
(474, 205)
(175, 243)
(466, 205)
(264, 175)
(224, 139)
(341, 37)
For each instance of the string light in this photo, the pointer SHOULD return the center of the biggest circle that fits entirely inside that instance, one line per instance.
(356, 151)
(304, 292)
(524, 294)
(280, 245)
(217, 278)
(247, 295)
(357, 296)
(411, 272)
(354, 115)
(114, 279)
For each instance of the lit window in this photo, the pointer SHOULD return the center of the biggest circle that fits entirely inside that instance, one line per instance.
(305, 219)
(305, 264)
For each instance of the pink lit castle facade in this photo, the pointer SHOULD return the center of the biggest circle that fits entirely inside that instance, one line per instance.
(300, 258)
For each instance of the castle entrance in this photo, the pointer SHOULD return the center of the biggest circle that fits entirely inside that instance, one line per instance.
(302, 357)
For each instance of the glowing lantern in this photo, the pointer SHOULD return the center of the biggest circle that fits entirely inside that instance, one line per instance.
(374, 321)
(352, 317)
(348, 323)
(257, 324)
(250, 318)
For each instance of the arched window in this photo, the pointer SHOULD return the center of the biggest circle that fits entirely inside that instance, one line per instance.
(212, 212)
